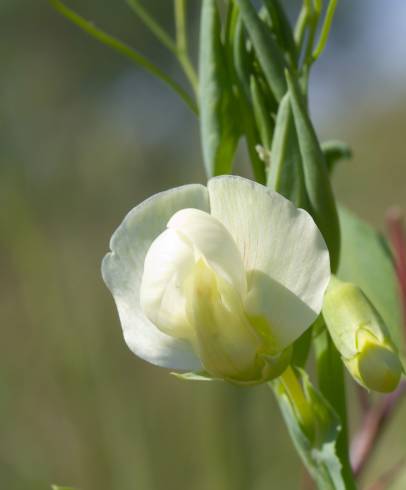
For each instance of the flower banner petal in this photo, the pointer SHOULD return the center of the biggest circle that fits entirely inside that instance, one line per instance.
(274, 237)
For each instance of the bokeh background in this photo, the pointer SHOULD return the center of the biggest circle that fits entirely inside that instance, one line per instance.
(84, 136)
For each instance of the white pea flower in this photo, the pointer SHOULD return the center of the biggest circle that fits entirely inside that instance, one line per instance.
(218, 279)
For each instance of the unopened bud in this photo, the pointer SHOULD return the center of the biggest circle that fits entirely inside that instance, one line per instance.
(361, 337)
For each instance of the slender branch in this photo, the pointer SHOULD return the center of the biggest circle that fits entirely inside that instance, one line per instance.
(394, 220)
(124, 49)
(152, 25)
(373, 425)
(182, 46)
(180, 23)
(363, 398)
(377, 417)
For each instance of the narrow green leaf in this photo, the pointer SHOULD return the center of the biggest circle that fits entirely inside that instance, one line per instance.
(367, 262)
(262, 117)
(300, 28)
(268, 53)
(316, 178)
(219, 122)
(282, 29)
(242, 72)
(334, 151)
(285, 173)
(325, 30)
(122, 48)
(242, 65)
(317, 445)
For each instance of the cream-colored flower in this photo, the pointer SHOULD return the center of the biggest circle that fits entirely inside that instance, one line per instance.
(220, 279)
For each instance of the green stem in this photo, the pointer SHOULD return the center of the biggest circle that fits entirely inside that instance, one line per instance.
(325, 30)
(330, 372)
(181, 44)
(124, 49)
(318, 6)
(152, 25)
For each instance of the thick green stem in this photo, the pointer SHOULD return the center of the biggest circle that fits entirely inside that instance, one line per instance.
(330, 372)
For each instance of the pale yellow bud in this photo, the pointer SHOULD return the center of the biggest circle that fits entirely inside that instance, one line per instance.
(361, 337)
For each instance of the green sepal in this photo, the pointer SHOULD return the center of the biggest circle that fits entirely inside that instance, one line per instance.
(315, 444)
(194, 376)
(317, 182)
(366, 261)
(57, 487)
(219, 122)
(285, 173)
(269, 55)
(334, 151)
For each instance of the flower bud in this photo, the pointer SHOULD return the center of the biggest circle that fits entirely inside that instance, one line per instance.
(361, 336)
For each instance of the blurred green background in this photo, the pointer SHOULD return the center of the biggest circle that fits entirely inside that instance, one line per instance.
(85, 136)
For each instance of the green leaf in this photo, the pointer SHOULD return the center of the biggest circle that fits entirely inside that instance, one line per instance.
(285, 172)
(242, 73)
(241, 58)
(334, 151)
(219, 121)
(316, 178)
(262, 116)
(325, 30)
(367, 262)
(316, 446)
(282, 29)
(268, 53)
